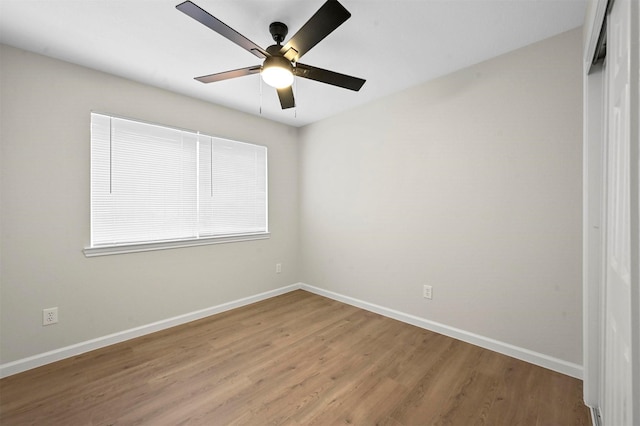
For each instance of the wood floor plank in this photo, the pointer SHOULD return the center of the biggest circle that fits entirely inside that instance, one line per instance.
(296, 359)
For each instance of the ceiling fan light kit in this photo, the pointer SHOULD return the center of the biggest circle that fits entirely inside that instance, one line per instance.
(277, 72)
(278, 69)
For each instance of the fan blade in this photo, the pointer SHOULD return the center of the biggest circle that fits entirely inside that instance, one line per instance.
(286, 97)
(205, 18)
(229, 74)
(329, 17)
(329, 77)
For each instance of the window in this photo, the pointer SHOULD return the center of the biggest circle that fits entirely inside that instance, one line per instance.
(157, 187)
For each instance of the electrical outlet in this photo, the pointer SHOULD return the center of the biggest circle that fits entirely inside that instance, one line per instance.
(49, 316)
(427, 292)
(278, 268)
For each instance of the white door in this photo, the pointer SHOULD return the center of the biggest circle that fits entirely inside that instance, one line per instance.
(618, 373)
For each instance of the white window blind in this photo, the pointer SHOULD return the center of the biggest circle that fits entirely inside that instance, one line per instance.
(151, 183)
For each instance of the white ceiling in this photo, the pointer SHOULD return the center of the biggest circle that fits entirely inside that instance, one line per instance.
(393, 44)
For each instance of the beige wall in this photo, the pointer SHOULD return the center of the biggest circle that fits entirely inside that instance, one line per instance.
(45, 106)
(470, 183)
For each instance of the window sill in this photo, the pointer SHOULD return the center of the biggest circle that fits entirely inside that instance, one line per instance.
(164, 245)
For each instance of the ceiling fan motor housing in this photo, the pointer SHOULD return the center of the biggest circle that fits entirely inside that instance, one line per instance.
(277, 61)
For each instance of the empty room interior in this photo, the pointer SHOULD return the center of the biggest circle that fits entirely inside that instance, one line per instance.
(426, 227)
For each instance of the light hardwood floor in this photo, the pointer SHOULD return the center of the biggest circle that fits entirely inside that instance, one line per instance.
(297, 359)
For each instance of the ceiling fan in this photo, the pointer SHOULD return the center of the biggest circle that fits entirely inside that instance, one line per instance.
(280, 63)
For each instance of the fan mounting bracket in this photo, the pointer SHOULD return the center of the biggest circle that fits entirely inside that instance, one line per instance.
(278, 31)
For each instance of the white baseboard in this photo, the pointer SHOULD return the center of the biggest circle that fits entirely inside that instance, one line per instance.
(24, 364)
(536, 358)
(551, 363)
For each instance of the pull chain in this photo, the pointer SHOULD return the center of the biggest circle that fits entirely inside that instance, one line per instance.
(260, 78)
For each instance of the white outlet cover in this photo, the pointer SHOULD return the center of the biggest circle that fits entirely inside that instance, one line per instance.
(49, 316)
(427, 292)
